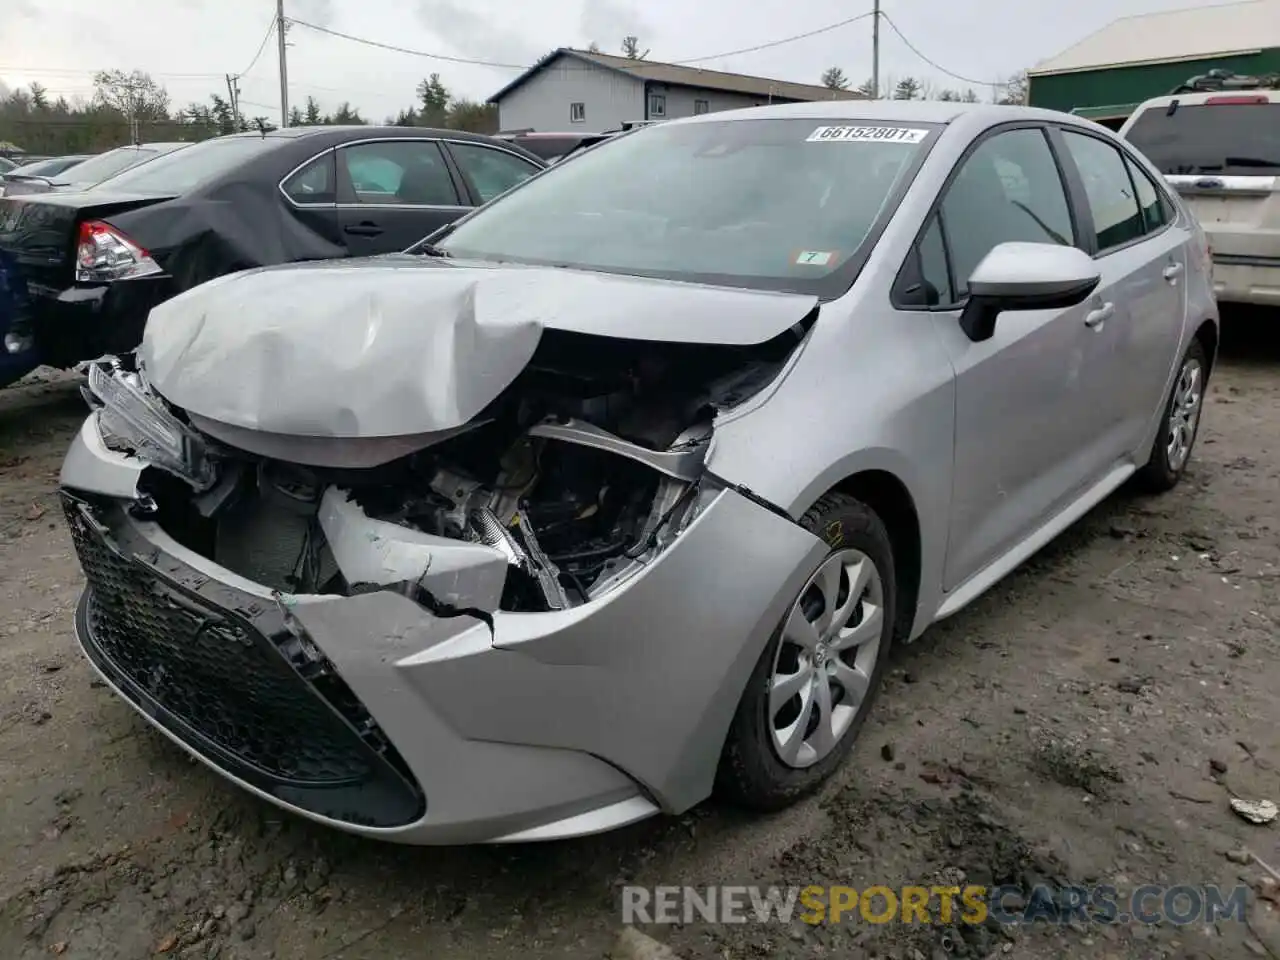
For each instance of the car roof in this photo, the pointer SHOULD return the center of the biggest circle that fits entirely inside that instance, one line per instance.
(160, 145)
(535, 134)
(1204, 96)
(338, 133)
(367, 130)
(920, 111)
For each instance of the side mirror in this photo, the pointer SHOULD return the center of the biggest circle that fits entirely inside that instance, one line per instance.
(1026, 276)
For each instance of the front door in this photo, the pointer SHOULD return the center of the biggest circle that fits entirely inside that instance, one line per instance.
(488, 171)
(392, 193)
(1024, 416)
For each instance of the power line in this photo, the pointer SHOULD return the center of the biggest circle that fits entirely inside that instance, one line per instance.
(65, 71)
(413, 53)
(262, 46)
(941, 69)
(777, 43)
(469, 61)
(638, 64)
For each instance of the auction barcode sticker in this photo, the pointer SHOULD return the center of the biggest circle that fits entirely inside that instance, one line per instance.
(868, 135)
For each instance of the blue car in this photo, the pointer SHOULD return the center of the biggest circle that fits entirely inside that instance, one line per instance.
(18, 355)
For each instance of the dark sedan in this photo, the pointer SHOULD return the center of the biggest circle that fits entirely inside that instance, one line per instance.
(87, 267)
(47, 168)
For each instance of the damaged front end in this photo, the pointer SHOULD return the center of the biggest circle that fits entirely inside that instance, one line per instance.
(565, 486)
(391, 634)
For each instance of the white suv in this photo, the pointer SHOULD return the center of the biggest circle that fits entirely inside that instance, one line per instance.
(1221, 151)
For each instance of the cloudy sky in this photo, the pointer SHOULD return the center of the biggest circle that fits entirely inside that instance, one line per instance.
(189, 45)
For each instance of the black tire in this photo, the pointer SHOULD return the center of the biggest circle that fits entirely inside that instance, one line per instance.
(1157, 475)
(750, 772)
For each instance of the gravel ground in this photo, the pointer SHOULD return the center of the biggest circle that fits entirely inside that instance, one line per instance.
(1087, 721)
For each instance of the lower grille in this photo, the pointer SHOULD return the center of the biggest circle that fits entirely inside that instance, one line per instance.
(234, 678)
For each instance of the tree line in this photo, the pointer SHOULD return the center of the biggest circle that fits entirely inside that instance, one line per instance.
(131, 107)
(1013, 91)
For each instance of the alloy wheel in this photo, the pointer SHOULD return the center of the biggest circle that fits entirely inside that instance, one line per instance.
(1184, 413)
(822, 669)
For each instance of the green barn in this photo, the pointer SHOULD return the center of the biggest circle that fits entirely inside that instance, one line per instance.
(1108, 73)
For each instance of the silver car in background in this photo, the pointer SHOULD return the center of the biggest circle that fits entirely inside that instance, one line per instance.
(621, 488)
(1221, 152)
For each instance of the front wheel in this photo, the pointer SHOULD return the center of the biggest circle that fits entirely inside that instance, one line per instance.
(815, 682)
(1179, 424)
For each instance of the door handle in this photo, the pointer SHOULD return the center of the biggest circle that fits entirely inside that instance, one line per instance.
(1094, 319)
(365, 229)
(1172, 271)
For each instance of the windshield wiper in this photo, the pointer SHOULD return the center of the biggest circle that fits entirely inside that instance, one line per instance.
(429, 250)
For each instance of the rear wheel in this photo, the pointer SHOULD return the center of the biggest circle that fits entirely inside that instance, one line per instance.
(816, 680)
(1179, 424)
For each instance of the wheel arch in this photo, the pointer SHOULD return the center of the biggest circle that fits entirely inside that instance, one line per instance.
(886, 494)
(1207, 335)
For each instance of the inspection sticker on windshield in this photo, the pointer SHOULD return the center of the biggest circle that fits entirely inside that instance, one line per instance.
(868, 135)
(813, 258)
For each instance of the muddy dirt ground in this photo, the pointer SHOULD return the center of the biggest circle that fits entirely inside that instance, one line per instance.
(1087, 721)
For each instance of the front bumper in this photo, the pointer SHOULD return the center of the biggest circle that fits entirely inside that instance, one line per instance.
(370, 714)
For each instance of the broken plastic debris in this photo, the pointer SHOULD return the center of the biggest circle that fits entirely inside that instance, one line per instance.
(1255, 811)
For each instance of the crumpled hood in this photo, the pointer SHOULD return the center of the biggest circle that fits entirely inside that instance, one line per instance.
(393, 346)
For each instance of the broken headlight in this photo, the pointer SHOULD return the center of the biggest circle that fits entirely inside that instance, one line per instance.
(132, 419)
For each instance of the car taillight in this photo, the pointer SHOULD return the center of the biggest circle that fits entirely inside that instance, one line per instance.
(103, 254)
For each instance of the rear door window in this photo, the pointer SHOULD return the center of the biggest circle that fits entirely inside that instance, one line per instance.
(1222, 139)
(1157, 210)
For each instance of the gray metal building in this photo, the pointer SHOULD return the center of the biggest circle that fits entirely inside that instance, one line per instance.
(578, 89)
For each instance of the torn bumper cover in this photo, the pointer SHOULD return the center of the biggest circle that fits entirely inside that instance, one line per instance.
(413, 707)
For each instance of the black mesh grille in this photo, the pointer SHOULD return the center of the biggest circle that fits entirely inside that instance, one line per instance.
(225, 686)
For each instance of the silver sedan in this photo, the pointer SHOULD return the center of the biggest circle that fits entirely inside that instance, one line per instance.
(620, 489)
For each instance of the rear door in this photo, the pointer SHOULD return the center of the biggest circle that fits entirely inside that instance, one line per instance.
(1142, 257)
(312, 194)
(1223, 156)
(392, 193)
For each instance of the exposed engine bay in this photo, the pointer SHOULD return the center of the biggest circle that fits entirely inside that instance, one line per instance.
(573, 478)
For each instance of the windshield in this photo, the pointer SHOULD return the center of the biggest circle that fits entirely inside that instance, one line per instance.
(191, 166)
(778, 204)
(1229, 139)
(46, 168)
(108, 164)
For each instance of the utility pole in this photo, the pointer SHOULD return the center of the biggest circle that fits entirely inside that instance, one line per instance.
(875, 51)
(284, 67)
(135, 125)
(233, 95)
